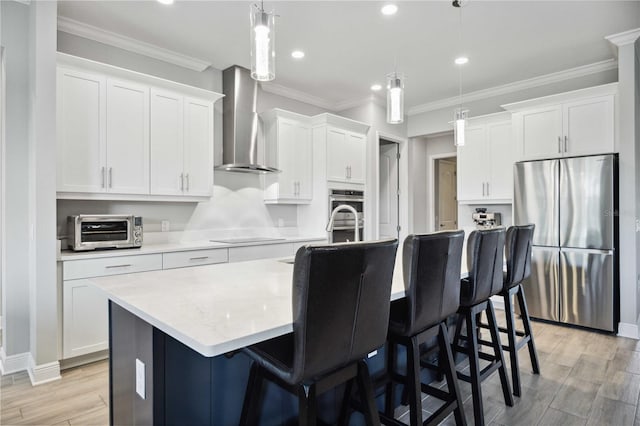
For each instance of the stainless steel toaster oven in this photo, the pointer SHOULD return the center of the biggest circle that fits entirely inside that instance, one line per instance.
(91, 232)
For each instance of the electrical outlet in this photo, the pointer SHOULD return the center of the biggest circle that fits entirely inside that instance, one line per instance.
(166, 226)
(140, 378)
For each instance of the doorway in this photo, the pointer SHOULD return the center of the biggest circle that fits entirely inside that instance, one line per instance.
(445, 194)
(389, 195)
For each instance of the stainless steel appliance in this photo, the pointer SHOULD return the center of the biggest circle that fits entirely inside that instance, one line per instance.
(342, 221)
(574, 273)
(91, 232)
(486, 220)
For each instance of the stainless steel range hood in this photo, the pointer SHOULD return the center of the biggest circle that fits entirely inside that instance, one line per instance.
(240, 123)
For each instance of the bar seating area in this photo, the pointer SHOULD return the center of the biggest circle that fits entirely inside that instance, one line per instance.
(342, 313)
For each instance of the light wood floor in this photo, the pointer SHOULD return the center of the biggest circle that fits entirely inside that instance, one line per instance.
(587, 379)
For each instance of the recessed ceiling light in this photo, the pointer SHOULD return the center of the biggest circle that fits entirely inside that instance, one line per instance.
(165, 1)
(461, 60)
(376, 87)
(297, 54)
(389, 9)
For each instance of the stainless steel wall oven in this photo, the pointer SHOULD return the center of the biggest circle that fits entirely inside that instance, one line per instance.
(343, 228)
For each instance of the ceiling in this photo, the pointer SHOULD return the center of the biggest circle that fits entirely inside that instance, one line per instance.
(351, 45)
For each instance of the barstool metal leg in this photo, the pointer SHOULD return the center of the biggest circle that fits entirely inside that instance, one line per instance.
(522, 301)
(497, 348)
(512, 338)
(390, 394)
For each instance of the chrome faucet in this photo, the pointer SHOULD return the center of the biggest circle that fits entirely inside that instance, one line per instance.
(355, 216)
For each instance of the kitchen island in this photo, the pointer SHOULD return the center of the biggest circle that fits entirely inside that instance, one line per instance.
(174, 333)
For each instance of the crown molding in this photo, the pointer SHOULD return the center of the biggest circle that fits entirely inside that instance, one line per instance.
(624, 38)
(90, 32)
(27, 2)
(297, 95)
(517, 86)
(348, 104)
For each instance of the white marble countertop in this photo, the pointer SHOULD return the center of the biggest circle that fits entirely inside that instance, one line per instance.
(66, 255)
(215, 309)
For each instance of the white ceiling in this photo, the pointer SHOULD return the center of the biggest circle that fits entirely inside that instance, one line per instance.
(351, 45)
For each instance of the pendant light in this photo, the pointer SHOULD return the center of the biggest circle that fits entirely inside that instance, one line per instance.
(395, 98)
(460, 114)
(263, 54)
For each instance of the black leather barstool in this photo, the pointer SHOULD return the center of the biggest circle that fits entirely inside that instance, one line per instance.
(518, 254)
(340, 304)
(485, 251)
(431, 267)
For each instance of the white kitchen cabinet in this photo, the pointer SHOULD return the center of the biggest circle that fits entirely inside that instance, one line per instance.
(126, 135)
(346, 141)
(181, 145)
(568, 124)
(183, 259)
(84, 318)
(485, 162)
(81, 137)
(288, 148)
(127, 138)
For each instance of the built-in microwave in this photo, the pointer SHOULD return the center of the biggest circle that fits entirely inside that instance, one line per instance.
(91, 232)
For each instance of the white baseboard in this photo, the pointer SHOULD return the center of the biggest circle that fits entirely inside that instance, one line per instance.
(13, 363)
(43, 373)
(626, 329)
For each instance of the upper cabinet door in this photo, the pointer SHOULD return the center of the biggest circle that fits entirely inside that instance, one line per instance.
(167, 145)
(539, 132)
(589, 126)
(337, 155)
(127, 138)
(304, 163)
(471, 169)
(198, 147)
(356, 151)
(500, 147)
(287, 158)
(81, 144)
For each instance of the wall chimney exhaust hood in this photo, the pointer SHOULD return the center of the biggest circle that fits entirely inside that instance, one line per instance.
(240, 123)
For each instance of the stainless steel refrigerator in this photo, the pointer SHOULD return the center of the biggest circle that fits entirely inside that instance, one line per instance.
(572, 202)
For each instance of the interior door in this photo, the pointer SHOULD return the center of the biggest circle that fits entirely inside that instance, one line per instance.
(542, 287)
(388, 214)
(535, 199)
(198, 147)
(167, 143)
(587, 290)
(447, 202)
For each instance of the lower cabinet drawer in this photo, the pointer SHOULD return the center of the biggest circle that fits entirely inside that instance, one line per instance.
(240, 254)
(183, 259)
(86, 268)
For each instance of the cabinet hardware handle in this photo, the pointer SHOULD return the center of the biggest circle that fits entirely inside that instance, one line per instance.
(110, 177)
(483, 189)
(187, 177)
(199, 258)
(487, 189)
(559, 145)
(103, 176)
(566, 139)
(124, 265)
(181, 181)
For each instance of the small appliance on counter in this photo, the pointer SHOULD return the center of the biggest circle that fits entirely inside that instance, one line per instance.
(486, 220)
(91, 232)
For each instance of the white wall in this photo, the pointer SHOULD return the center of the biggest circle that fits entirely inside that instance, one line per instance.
(439, 120)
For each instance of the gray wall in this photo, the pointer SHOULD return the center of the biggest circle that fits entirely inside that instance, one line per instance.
(15, 39)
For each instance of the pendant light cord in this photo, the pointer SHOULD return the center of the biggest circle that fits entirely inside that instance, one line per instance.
(460, 47)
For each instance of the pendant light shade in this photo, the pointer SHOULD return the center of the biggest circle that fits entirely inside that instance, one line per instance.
(262, 44)
(395, 98)
(459, 124)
